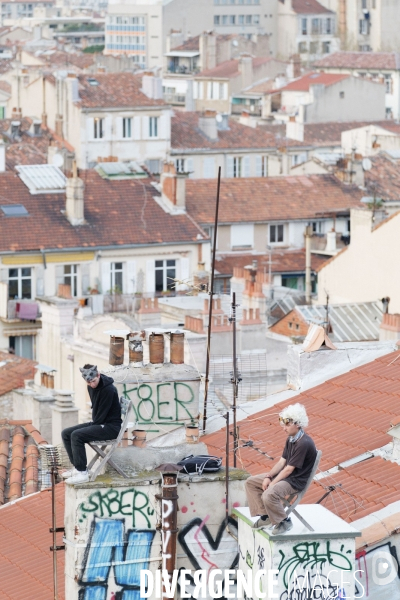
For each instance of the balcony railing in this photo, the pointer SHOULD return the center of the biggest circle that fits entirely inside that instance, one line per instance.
(252, 109)
(177, 99)
(23, 310)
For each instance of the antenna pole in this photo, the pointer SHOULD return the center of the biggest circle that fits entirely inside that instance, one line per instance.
(54, 530)
(234, 380)
(211, 293)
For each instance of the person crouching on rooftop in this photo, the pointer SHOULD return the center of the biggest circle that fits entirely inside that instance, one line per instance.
(288, 476)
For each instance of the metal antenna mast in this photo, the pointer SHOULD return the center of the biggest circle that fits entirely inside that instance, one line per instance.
(235, 379)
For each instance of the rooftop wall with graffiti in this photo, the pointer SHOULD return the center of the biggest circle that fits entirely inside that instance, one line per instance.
(111, 532)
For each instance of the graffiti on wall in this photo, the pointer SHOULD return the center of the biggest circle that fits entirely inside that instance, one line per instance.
(379, 574)
(122, 540)
(163, 403)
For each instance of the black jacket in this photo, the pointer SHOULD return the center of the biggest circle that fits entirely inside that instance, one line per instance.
(105, 402)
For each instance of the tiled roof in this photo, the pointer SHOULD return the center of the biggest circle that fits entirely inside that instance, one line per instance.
(5, 66)
(303, 83)
(305, 7)
(191, 45)
(230, 68)
(114, 90)
(269, 199)
(323, 134)
(185, 134)
(19, 459)
(360, 60)
(13, 371)
(79, 61)
(349, 415)
(5, 87)
(283, 261)
(25, 556)
(383, 179)
(116, 213)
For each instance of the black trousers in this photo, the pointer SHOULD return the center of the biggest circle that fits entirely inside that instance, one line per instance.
(75, 438)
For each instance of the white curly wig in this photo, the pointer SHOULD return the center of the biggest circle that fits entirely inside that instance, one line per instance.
(297, 413)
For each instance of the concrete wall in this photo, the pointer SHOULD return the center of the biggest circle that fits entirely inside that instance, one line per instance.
(32, 405)
(379, 583)
(356, 274)
(6, 406)
(328, 105)
(112, 510)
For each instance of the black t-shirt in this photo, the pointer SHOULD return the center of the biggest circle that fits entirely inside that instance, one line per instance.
(301, 455)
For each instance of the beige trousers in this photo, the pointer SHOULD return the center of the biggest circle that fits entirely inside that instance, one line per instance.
(268, 502)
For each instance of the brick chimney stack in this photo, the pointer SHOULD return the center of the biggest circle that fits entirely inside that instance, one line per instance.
(75, 198)
(173, 185)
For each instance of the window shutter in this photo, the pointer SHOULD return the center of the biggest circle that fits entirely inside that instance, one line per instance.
(105, 277)
(136, 128)
(258, 166)
(145, 128)
(119, 131)
(195, 90)
(225, 91)
(150, 276)
(209, 168)
(3, 274)
(209, 90)
(246, 166)
(164, 127)
(130, 271)
(229, 163)
(85, 274)
(39, 272)
(216, 90)
(90, 128)
(184, 273)
(189, 167)
(108, 128)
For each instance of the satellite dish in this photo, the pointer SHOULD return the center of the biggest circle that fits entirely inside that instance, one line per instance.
(218, 118)
(366, 164)
(58, 160)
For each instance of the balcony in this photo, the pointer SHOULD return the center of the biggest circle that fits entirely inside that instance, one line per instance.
(19, 310)
(175, 99)
(252, 109)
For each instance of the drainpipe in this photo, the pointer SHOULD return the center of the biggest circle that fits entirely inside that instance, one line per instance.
(169, 518)
(307, 235)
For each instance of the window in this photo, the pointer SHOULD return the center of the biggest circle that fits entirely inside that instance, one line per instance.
(248, 19)
(317, 226)
(98, 128)
(315, 26)
(256, 19)
(232, 19)
(328, 24)
(71, 278)
(216, 19)
(261, 166)
(276, 234)
(127, 127)
(388, 84)
(165, 273)
(225, 20)
(326, 47)
(180, 165)
(116, 274)
(153, 127)
(363, 3)
(364, 27)
(314, 47)
(20, 283)
(302, 47)
(22, 345)
(341, 94)
(303, 26)
(237, 166)
(241, 19)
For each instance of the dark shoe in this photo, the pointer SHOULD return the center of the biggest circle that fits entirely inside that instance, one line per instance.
(282, 527)
(261, 522)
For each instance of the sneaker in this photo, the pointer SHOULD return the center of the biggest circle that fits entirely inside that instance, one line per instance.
(70, 473)
(282, 527)
(79, 477)
(261, 522)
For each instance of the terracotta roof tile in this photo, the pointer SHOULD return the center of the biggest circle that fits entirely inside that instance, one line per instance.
(269, 199)
(114, 90)
(349, 415)
(190, 45)
(14, 371)
(116, 213)
(360, 60)
(289, 261)
(186, 135)
(230, 68)
(25, 557)
(383, 179)
(303, 83)
(305, 7)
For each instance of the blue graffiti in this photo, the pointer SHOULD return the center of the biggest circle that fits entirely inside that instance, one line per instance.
(111, 547)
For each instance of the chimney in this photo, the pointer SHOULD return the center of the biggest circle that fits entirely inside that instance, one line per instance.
(59, 125)
(331, 242)
(294, 66)
(208, 50)
(208, 124)
(152, 86)
(16, 114)
(75, 198)
(245, 67)
(2, 157)
(173, 185)
(294, 129)
(390, 327)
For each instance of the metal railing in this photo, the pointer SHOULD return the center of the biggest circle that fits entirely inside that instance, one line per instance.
(252, 109)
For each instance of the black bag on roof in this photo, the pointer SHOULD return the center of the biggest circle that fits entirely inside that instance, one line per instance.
(203, 463)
